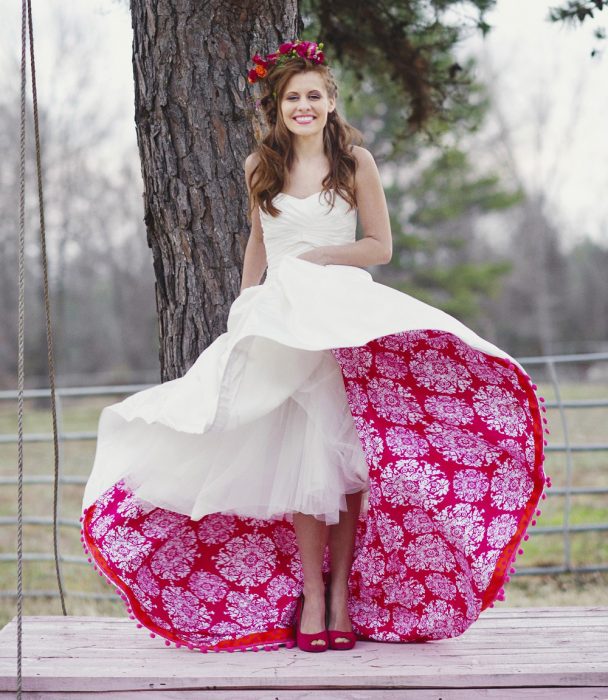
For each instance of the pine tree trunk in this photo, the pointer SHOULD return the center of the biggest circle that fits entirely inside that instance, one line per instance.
(194, 131)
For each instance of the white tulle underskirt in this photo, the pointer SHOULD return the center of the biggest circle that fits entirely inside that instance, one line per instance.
(303, 456)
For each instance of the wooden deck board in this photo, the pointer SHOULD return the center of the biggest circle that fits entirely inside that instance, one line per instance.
(530, 653)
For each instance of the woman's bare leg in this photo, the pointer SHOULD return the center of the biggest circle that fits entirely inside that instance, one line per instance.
(311, 535)
(341, 546)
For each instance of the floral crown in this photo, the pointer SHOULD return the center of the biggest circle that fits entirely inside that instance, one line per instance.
(290, 49)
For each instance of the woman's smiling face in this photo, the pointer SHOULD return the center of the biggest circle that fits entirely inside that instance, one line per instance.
(305, 103)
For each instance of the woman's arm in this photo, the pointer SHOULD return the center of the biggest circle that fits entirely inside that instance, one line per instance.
(255, 261)
(376, 247)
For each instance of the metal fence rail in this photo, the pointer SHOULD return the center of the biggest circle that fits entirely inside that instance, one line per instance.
(546, 365)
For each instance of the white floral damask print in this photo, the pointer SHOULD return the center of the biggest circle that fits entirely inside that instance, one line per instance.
(429, 552)
(441, 621)
(126, 548)
(390, 365)
(371, 567)
(217, 528)
(247, 561)
(501, 529)
(418, 522)
(404, 620)
(415, 482)
(434, 371)
(368, 613)
(357, 398)
(449, 409)
(441, 586)
(372, 443)
(207, 586)
(407, 592)
(500, 410)
(483, 568)
(511, 486)
(463, 525)
(186, 611)
(250, 610)
(402, 441)
(394, 402)
(471, 485)
(173, 561)
(161, 524)
(355, 362)
(281, 586)
(390, 533)
(462, 446)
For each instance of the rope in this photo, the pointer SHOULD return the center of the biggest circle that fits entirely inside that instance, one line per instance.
(47, 311)
(26, 9)
(20, 357)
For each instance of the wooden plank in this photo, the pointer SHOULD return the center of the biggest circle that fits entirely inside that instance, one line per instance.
(371, 694)
(70, 656)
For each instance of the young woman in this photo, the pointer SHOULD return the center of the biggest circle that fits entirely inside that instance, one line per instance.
(342, 445)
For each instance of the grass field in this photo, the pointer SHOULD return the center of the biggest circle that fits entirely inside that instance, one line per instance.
(587, 548)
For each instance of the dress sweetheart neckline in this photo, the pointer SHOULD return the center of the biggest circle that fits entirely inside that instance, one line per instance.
(302, 199)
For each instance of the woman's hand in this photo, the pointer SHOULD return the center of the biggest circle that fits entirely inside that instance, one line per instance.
(315, 255)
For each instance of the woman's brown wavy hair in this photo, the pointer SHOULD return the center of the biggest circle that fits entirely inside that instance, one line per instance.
(276, 152)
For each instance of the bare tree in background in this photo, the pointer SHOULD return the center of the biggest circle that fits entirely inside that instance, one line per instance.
(101, 284)
(530, 312)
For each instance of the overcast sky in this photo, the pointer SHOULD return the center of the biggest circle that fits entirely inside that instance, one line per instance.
(549, 90)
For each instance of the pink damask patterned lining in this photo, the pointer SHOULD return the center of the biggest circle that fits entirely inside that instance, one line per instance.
(454, 443)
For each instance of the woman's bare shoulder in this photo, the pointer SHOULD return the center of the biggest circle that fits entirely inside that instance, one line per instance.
(362, 155)
(252, 160)
(251, 163)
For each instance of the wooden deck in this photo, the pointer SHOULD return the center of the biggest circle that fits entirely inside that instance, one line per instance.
(508, 653)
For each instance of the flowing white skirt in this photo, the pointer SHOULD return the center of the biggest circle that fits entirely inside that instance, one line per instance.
(260, 426)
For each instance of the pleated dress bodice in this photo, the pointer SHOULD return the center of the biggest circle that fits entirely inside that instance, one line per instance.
(305, 223)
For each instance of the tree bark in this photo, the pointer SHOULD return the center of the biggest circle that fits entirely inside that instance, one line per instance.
(194, 129)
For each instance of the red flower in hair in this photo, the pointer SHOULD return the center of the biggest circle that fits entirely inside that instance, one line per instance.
(309, 50)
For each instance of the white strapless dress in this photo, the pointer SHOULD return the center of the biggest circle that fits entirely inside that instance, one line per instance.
(260, 425)
(324, 383)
